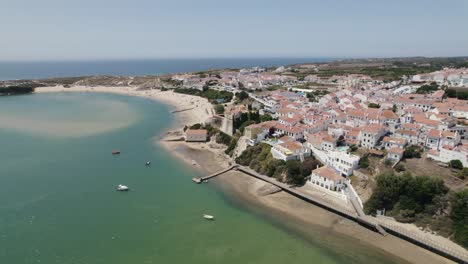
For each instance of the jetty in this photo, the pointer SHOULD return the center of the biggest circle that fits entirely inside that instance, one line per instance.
(357, 214)
(202, 179)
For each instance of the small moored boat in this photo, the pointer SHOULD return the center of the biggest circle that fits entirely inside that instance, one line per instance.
(148, 163)
(115, 152)
(208, 217)
(122, 188)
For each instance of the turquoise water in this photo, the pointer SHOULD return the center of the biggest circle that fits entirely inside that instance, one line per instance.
(58, 202)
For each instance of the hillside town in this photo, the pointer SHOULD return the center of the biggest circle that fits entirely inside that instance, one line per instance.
(356, 112)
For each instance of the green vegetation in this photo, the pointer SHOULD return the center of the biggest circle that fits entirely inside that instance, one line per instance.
(463, 173)
(265, 118)
(456, 164)
(246, 119)
(412, 152)
(428, 88)
(223, 138)
(259, 158)
(219, 109)
(314, 96)
(276, 87)
(388, 162)
(461, 94)
(242, 95)
(364, 162)
(232, 145)
(459, 216)
(406, 197)
(211, 130)
(353, 148)
(18, 89)
(400, 167)
(373, 105)
(422, 200)
(209, 94)
(311, 98)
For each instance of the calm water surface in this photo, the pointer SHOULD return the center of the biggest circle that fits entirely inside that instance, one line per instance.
(49, 69)
(58, 202)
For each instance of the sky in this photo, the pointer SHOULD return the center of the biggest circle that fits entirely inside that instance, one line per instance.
(150, 29)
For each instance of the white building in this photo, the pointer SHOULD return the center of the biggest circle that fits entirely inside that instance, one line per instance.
(290, 151)
(327, 178)
(370, 135)
(447, 154)
(343, 162)
(395, 154)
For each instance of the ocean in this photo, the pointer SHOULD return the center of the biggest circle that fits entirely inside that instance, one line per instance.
(50, 69)
(58, 202)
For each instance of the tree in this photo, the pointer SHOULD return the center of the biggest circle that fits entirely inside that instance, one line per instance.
(373, 105)
(265, 117)
(456, 164)
(463, 173)
(308, 166)
(451, 93)
(219, 109)
(223, 138)
(364, 162)
(406, 196)
(293, 170)
(459, 216)
(412, 152)
(353, 147)
(242, 95)
(428, 88)
(394, 108)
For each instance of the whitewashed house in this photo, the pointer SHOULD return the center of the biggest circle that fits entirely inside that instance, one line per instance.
(327, 178)
(290, 151)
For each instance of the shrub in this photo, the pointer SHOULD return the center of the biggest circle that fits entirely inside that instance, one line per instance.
(456, 164)
(412, 152)
(364, 162)
(219, 109)
(373, 105)
(428, 88)
(223, 138)
(463, 173)
(388, 162)
(400, 167)
(242, 95)
(396, 193)
(459, 215)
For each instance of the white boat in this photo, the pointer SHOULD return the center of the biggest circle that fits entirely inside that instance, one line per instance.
(121, 187)
(208, 217)
(148, 163)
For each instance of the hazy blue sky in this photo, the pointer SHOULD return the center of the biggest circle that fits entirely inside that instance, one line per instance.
(114, 29)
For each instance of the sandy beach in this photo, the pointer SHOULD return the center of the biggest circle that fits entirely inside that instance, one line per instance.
(195, 109)
(293, 214)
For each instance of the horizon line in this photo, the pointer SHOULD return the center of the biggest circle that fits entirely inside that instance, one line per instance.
(223, 58)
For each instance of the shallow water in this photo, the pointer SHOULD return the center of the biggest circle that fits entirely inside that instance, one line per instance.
(58, 202)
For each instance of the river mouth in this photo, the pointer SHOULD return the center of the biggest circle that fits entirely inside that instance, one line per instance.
(82, 118)
(58, 202)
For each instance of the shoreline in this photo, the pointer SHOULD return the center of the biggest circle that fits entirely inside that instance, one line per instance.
(241, 189)
(199, 108)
